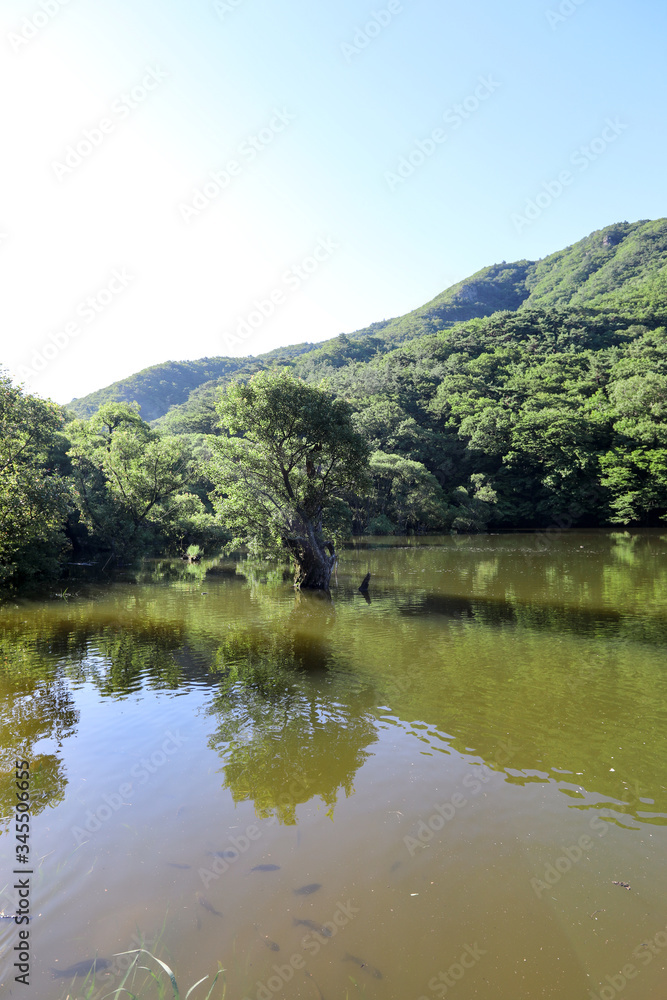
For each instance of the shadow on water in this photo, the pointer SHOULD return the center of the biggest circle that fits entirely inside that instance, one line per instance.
(498, 611)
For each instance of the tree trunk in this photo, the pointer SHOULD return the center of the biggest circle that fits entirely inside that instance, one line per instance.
(313, 565)
(314, 573)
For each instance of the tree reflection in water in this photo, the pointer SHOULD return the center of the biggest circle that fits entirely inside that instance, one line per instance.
(36, 705)
(289, 727)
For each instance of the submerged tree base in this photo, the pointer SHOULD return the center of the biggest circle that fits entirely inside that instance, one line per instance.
(313, 566)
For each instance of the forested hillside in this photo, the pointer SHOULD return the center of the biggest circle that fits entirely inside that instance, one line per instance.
(548, 413)
(158, 388)
(619, 269)
(543, 402)
(538, 418)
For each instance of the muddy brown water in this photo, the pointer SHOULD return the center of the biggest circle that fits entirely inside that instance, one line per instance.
(437, 793)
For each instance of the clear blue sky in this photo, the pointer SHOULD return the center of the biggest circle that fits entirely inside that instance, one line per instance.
(314, 116)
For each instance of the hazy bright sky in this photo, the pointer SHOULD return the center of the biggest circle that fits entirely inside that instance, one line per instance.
(314, 105)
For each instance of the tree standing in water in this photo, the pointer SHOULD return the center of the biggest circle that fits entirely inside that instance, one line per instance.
(288, 459)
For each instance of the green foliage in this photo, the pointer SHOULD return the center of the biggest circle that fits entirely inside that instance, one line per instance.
(542, 405)
(34, 497)
(533, 394)
(132, 484)
(289, 462)
(155, 390)
(525, 374)
(617, 271)
(406, 495)
(141, 982)
(153, 984)
(473, 504)
(634, 470)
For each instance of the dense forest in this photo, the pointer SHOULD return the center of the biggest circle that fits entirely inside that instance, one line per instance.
(532, 395)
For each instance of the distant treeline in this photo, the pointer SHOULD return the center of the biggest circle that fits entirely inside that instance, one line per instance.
(520, 420)
(531, 395)
(528, 419)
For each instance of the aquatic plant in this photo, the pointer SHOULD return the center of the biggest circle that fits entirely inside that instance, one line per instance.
(158, 979)
(161, 984)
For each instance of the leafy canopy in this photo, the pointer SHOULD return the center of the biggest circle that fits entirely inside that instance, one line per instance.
(34, 498)
(131, 483)
(290, 457)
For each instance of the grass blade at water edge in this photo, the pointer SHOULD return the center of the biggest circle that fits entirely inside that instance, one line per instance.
(156, 979)
(125, 978)
(210, 992)
(202, 980)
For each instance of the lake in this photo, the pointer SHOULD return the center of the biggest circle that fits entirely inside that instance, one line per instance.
(441, 790)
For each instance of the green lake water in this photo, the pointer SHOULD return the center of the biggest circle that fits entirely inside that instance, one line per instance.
(463, 766)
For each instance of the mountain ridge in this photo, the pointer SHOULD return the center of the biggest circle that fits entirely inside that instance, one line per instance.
(619, 269)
